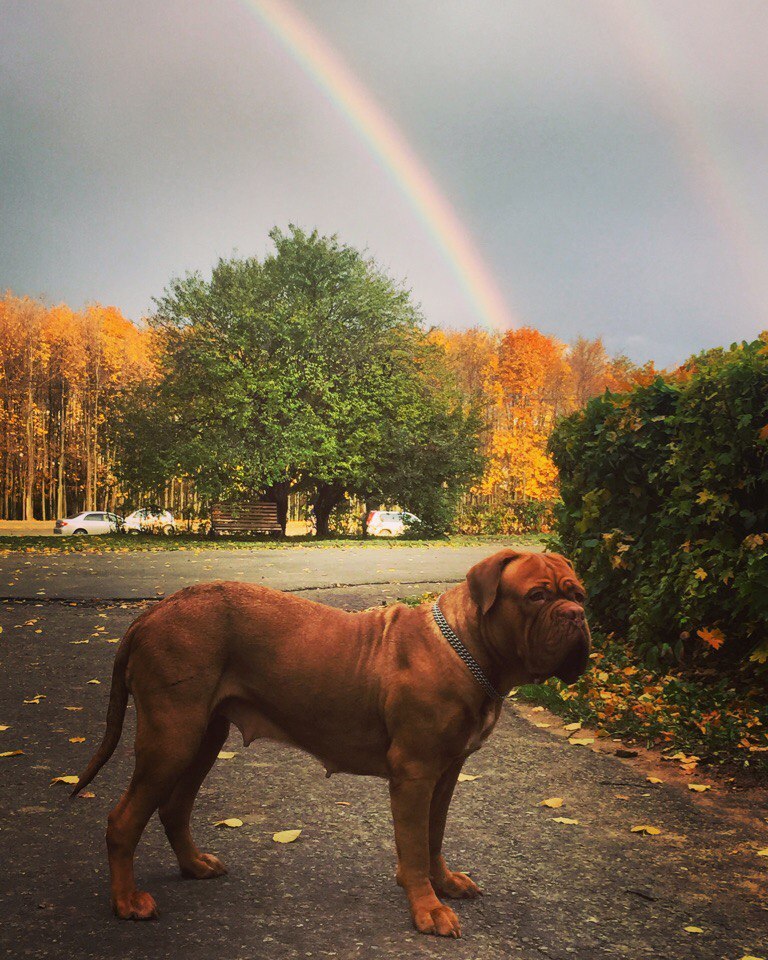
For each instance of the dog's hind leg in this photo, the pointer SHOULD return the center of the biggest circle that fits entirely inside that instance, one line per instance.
(176, 812)
(163, 753)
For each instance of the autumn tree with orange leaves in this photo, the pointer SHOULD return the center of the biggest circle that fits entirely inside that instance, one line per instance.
(62, 376)
(528, 385)
(524, 381)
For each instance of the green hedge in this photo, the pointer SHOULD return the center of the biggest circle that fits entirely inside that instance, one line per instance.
(665, 508)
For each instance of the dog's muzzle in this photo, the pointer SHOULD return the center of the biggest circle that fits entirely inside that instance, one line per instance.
(575, 661)
(563, 651)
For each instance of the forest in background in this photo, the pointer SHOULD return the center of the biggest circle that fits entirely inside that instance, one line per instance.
(63, 374)
(66, 378)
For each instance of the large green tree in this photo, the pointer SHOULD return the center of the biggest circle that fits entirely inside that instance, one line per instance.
(310, 369)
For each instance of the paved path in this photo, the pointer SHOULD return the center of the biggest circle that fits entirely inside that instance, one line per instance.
(136, 575)
(590, 891)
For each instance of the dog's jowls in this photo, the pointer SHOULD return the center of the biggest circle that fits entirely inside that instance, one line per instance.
(379, 692)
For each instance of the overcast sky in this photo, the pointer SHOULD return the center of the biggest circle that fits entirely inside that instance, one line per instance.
(609, 157)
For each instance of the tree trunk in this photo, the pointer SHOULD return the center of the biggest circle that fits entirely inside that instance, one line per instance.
(61, 487)
(278, 494)
(325, 499)
(87, 505)
(29, 510)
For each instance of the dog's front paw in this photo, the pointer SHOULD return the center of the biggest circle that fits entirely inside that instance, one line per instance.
(204, 867)
(135, 906)
(440, 921)
(456, 885)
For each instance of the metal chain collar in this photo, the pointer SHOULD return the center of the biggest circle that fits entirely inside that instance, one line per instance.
(474, 667)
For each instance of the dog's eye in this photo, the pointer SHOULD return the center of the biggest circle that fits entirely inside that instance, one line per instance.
(578, 596)
(536, 596)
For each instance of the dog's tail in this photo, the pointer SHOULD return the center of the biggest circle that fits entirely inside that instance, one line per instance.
(118, 700)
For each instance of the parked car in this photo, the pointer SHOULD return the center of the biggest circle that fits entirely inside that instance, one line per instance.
(151, 520)
(390, 523)
(89, 522)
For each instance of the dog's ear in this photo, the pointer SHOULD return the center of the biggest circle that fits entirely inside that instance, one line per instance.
(484, 577)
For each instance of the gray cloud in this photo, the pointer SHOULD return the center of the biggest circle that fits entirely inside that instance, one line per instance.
(141, 140)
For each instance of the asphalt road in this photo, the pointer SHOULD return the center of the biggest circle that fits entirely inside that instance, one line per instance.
(136, 575)
(586, 890)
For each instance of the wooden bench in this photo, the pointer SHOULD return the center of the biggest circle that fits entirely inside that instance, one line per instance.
(255, 516)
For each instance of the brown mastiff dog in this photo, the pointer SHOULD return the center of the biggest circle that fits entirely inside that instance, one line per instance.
(382, 693)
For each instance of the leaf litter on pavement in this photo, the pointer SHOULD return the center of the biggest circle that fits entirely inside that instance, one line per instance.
(286, 836)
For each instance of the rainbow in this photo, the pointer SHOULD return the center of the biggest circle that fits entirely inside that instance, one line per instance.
(392, 151)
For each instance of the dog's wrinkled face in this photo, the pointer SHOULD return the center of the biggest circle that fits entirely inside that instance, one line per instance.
(535, 602)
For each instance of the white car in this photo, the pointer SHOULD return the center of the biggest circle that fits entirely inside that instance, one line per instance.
(89, 522)
(390, 523)
(151, 520)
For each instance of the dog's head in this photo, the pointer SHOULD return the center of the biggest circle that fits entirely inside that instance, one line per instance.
(534, 603)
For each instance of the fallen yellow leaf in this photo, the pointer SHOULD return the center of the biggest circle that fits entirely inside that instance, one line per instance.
(77, 739)
(749, 956)
(468, 777)
(654, 780)
(66, 779)
(342, 803)
(11, 753)
(553, 802)
(226, 754)
(763, 853)
(564, 820)
(112, 639)
(573, 726)
(73, 708)
(37, 698)
(644, 828)
(699, 787)
(581, 741)
(94, 681)
(229, 822)
(693, 930)
(76, 642)
(286, 836)
(4, 726)
(86, 795)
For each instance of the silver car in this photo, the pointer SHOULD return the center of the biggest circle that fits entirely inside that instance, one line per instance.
(151, 520)
(89, 522)
(390, 523)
